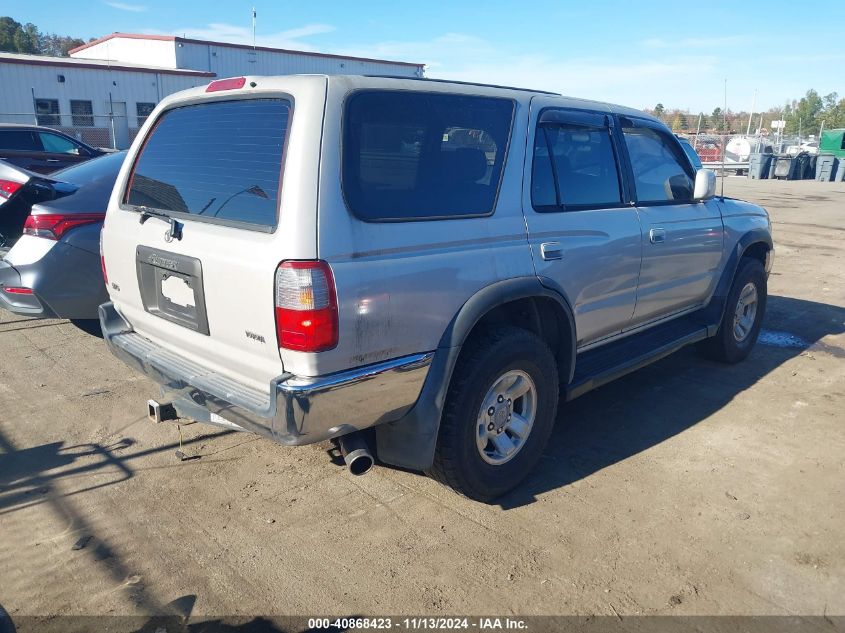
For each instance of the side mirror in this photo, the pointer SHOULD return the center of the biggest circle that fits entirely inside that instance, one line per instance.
(705, 185)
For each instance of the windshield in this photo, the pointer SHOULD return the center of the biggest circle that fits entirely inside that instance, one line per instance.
(91, 170)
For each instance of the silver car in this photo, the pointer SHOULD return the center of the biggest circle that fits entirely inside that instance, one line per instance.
(418, 268)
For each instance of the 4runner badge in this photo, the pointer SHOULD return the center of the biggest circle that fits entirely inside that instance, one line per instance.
(163, 262)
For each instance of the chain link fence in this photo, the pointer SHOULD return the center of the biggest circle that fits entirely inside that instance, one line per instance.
(98, 130)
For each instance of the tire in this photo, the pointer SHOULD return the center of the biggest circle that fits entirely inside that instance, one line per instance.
(494, 358)
(730, 345)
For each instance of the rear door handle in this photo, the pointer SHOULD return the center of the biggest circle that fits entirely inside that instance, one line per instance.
(551, 250)
(657, 236)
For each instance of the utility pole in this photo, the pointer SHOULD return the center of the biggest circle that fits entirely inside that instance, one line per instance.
(253, 28)
(753, 105)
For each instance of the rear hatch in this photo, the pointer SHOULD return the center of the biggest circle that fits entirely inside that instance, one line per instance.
(218, 189)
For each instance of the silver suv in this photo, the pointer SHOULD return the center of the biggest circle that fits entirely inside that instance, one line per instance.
(420, 269)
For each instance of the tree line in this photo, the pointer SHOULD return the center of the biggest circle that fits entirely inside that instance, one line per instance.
(26, 38)
(803, 116)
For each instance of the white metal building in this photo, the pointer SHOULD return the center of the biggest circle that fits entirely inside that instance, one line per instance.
(102, 93)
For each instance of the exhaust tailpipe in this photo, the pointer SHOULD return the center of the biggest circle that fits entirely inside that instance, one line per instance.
(359, 460)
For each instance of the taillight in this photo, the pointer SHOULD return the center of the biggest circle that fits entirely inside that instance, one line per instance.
(103, 260)
(233, 83)
(54, 225)
(306, 306)
(15, 290)
(9, 187)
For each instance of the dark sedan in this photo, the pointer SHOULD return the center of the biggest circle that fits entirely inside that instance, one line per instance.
(42, 149)
(54, 269)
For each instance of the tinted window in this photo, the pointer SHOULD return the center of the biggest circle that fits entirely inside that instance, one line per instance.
(83, 173)
(574, 167)
(20, 141)
(58, 144)
(219, 160)
(410, 155)
(659, 168)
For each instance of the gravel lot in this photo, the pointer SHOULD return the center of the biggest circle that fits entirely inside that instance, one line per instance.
(686, 488)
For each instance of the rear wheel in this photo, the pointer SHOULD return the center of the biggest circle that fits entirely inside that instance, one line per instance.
(499, 414)
(743, 315)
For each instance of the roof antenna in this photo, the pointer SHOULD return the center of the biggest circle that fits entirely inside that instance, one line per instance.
(253, 28)
(725, 138)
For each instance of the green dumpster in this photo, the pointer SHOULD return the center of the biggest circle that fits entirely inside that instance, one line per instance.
(833, 142)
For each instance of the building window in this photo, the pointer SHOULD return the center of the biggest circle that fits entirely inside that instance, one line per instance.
(143, 110)
(47, 112)
(81, 113)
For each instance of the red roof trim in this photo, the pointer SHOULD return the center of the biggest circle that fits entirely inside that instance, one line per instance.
(135, 69)
(129, 36)
(188, 40)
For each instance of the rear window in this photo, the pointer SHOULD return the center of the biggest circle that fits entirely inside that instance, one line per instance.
(219, 160)
(413, 155)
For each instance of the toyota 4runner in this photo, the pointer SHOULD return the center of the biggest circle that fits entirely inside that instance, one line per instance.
(420, 269)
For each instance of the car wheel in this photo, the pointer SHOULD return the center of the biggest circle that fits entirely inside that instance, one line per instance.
(743, 315)
(499, 413)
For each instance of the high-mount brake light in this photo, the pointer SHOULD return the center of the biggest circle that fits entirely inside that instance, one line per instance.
(233, 83)
(306, 306)
(53, 226)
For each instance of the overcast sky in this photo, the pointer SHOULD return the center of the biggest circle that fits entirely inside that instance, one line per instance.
(634, 53)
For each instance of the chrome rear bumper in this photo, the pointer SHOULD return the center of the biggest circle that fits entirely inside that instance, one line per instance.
(295, 410)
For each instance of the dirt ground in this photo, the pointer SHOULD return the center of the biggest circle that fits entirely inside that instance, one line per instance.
(686, 488)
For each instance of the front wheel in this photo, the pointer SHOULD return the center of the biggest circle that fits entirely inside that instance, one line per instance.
(498, 415)
(743, 316)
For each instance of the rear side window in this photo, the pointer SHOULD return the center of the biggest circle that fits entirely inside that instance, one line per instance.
(20, 141)
(220, 160)
(414, 155)
(574, 168)
(661, 171)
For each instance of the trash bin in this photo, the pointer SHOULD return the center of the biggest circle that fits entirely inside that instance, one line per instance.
(758, 166)
(773, 161)
(783, 167)
(826, 167)
(800, 165)
(810, 172)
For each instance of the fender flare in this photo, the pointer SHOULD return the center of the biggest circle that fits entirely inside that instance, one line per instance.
(410, 441)
(716, 308)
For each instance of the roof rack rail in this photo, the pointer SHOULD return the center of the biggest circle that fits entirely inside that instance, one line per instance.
(465, 83)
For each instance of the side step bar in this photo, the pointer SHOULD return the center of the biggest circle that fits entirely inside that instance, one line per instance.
(602, 365)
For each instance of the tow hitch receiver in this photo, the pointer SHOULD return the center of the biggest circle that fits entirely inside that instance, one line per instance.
(161, 411)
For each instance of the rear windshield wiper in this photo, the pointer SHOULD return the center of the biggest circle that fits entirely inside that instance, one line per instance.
(175, 231)
(147, 213)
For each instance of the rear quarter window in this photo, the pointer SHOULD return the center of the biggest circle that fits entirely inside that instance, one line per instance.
(416, 156)
(220, 160)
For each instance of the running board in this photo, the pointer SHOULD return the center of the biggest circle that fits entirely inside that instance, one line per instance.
(604, 364)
